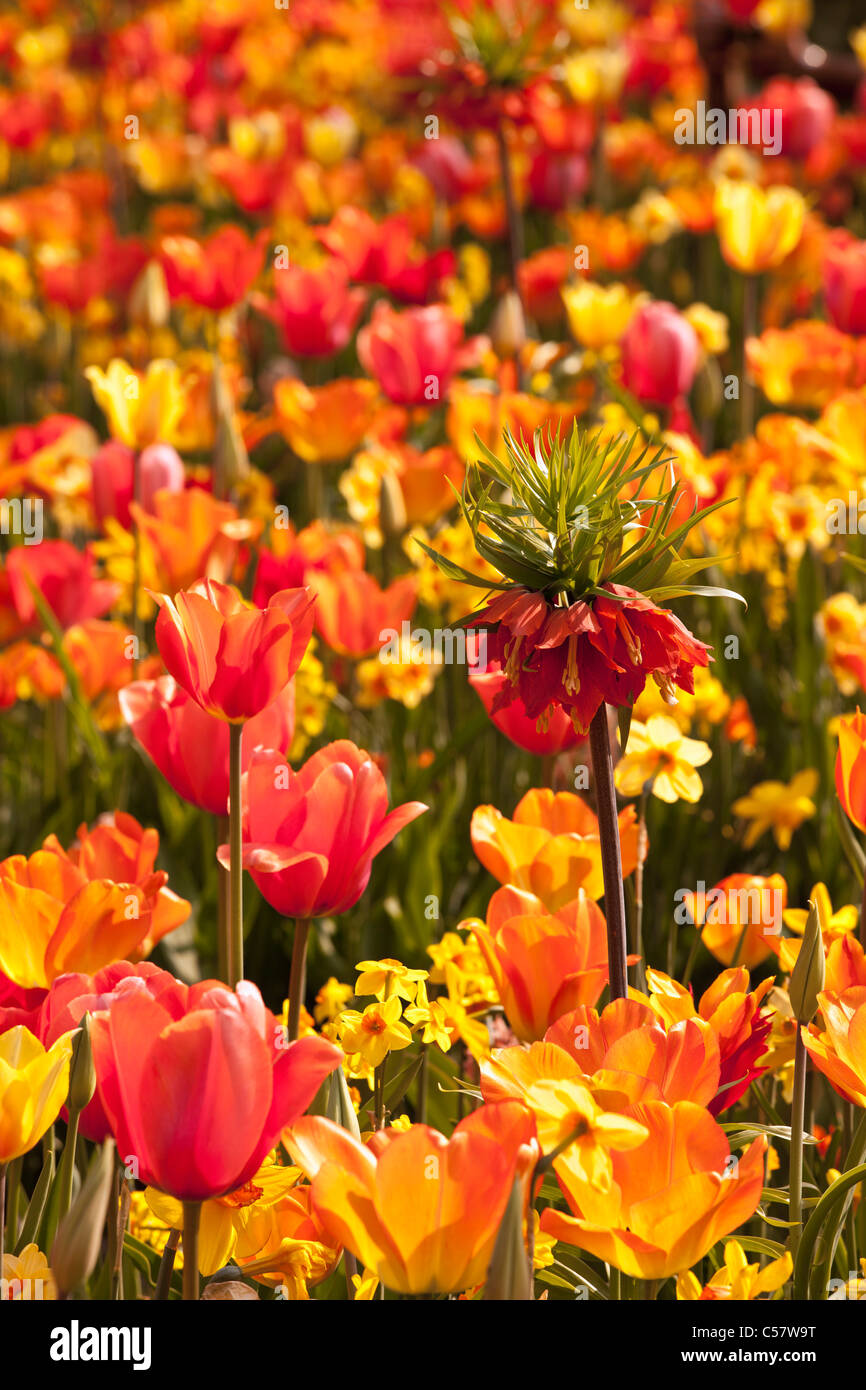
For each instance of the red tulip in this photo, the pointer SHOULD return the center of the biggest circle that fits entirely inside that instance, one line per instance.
(72, 996)
(353, 611)
(806, 117)
(112, 476)
(310, 836)
(198, 1084)
(844, 274)
(65, 578)
(315, 310)
(191, 747)
(414, 354)
(215, 273)
(513, 721)
(659, 354)
(234, 660)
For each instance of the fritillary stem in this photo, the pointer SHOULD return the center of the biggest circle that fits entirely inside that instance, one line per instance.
(611, 855)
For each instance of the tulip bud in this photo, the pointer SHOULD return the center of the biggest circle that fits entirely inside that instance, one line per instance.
(508, 1278)
(231, 461)
(392, 506)
(149, 304)
(82, 1074)
(508, 326)
(340, 1108)
(79, 1236)
(707, 393)
(807, 977)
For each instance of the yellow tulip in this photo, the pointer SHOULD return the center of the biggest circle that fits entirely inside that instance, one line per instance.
(599, 315)
(33, 1086)
(757, 227)
(140, 410)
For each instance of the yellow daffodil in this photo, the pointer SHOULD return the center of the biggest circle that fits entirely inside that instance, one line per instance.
(225, 1219)
(778, 806)
(140, 409)
(386, 977)
(365, 1286)
(33, 1086)
(658, 753)
(432, 1018)
(375, 1032)
(331, 999)
(737, 1279)
(27, 1276)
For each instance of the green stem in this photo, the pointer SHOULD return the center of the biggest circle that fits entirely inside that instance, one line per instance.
(136, 565)
(13, 1195)
(166, 1265)
(297, 979)
(67, 1167)
(798, 1105)
(235, 945)
(223, 881)
(747, 391)
(2, 1213)
(191, 1220)
(611, 856)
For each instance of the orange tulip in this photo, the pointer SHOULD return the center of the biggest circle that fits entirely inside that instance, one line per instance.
(233, 659)
(353, 611)
(840, 1051)
(189, 534)
(741, 917)
(851, 768)
(420, 1211)
(671, 1198)
(62, 912)
(733, 1013)
(626, 1049)
(845, 965)
(551, 848)
(325, 424)
(544, 964)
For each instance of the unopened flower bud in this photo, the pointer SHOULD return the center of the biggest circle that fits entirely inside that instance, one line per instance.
(807, 977)
(79, 1236)
(508, 1278)
(508, 325)
(149, 304)
(82, 1075)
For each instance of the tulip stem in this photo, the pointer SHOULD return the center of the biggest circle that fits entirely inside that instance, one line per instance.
(223, 881)
(191, 1219)
(67, 1167)
(747, 390)
(611, 856)
(2, 1213)
(798, 1105)
(298, 977)
(166, 1265)
(136, 564)
(235, 945)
